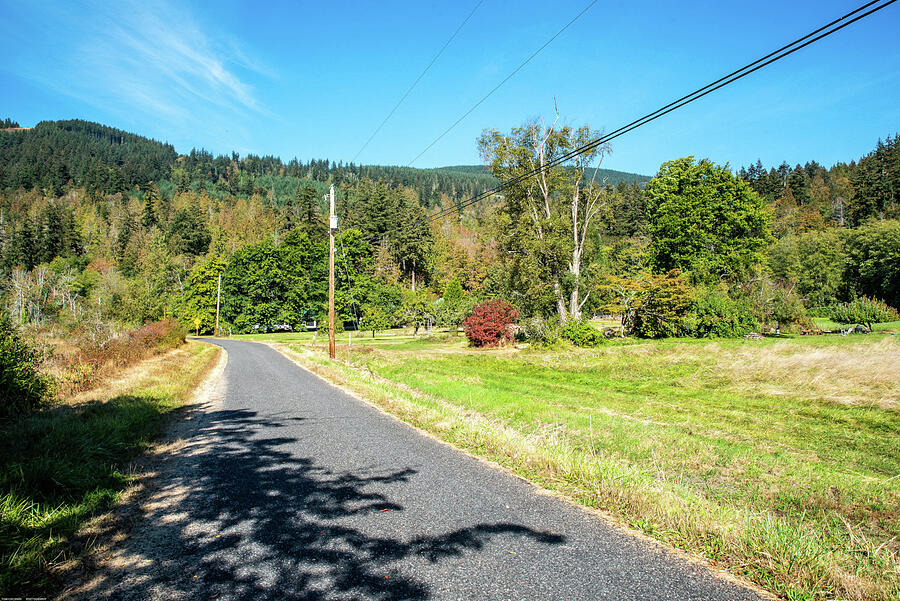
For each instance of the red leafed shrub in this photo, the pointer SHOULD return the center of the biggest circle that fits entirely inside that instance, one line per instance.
(490, 323)
(161, 335)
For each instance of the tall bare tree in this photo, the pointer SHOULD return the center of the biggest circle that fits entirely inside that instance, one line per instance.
(545, 220)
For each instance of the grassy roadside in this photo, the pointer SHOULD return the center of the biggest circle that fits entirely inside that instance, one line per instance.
(64, 466)
(776, 459)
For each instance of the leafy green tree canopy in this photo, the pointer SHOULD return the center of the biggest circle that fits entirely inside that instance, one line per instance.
(375, 318)
(705, 220)
(454, 306)
(265, 284)
(197, 307)
(873, 260)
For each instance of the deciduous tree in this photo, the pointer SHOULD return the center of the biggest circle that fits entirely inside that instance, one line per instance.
(704, 220)
(545, 218)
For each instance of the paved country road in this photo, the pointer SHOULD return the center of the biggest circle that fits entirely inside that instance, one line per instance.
(288, 488)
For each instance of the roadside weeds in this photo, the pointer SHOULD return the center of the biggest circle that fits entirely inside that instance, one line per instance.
(66, 471)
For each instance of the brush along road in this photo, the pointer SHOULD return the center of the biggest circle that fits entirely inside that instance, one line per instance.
(300, 491)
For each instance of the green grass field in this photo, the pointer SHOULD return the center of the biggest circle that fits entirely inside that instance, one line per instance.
(779, 458)
(64, 466)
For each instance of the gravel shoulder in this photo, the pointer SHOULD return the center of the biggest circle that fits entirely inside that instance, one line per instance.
(118, 540)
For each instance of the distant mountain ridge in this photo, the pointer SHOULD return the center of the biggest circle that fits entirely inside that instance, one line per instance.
(610, 176)
(55, 155)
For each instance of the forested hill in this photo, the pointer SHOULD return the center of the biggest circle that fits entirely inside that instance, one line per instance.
(95, 221)
(58, 155)
(55, 154)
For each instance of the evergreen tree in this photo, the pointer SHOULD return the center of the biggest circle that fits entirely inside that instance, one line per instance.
(306, 203)
(188, 233)
(99, 158)
(756, 177)
(124, 236)
(798, 182)
(54, 234)
(148, 215)
(374, 208)
(876, 183)
(26, 245)
(627, 210)
(413, 244)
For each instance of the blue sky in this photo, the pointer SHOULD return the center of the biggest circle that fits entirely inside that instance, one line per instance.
(314, 79)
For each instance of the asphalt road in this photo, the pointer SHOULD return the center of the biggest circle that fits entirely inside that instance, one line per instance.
(291, 489)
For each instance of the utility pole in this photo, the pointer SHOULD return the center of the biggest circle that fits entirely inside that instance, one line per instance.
(218, 298)
(332, 223)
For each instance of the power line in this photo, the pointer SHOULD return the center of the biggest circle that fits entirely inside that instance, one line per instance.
(498, 86)
(416, 82)
(684, 100)
(764, 61)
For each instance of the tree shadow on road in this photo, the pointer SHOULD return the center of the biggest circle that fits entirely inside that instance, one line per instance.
(235, 515)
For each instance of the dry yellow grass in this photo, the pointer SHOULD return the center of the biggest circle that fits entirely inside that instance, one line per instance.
(856, 371)
(65, 466)
(149, 373)
(865, 373)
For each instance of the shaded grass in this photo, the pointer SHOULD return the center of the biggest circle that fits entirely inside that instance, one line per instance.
(735, 450)
(63, 466)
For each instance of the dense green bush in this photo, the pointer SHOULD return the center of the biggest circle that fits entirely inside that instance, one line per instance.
(717, 315)
(865, 311)
(663, 306)
(788, 312)
(819, 311)
(540, 331)
(581, 333)
(773, 304)
(454, 306)
(22, 387)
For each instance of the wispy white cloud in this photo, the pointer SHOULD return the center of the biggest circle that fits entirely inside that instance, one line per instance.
(156, 58)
